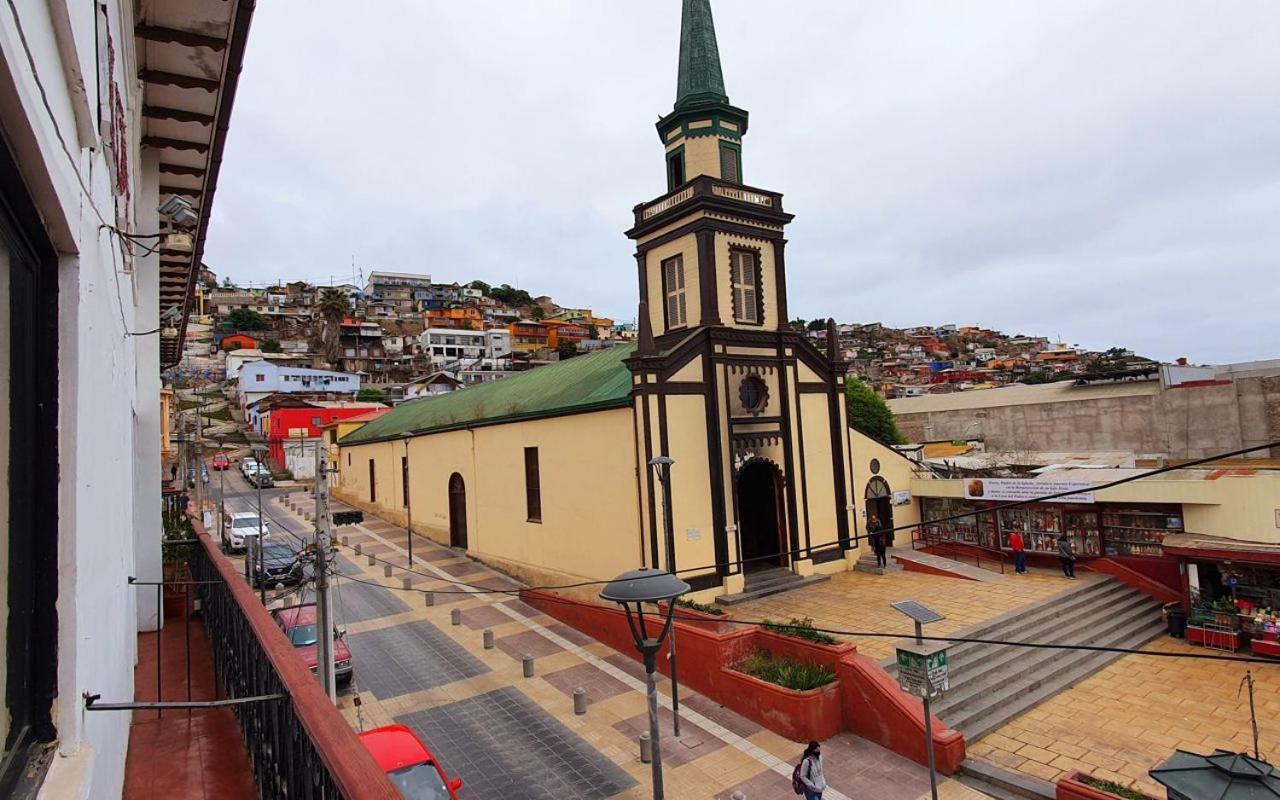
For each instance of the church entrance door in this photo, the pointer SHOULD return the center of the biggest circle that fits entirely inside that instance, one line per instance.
(761, 517)
(457, 512)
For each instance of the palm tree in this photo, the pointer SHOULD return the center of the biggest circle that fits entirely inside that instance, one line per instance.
(333, 306)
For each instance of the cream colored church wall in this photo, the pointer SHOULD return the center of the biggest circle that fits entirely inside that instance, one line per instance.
(897, 471)
(590, 526)
(701, 156)
(819, 474)
(690, 483)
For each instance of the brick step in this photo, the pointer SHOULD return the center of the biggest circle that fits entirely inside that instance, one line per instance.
(1003, 784)
(770, 586)
(1047, 624)
(1027, 667)
(1004, 705)
(1016, 624)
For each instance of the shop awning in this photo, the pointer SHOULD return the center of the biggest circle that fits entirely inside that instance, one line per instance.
(1221, 776)
(1220, 548)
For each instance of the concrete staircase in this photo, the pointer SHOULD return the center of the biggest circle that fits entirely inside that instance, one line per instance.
(764, 582)
(867, 563)
(991, 684)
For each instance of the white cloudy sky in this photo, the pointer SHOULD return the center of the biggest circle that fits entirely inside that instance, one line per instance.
(1107, 171)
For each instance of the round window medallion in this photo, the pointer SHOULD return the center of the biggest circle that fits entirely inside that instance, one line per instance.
(754, 393)
(875, 466)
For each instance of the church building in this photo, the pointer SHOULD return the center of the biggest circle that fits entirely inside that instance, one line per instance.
(557, 474)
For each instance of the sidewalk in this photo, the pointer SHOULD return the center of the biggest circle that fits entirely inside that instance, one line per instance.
(510, 736)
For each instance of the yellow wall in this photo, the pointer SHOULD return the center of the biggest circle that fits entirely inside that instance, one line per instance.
(819, 474)
(587, 464)
(687, 246)
(897, 470)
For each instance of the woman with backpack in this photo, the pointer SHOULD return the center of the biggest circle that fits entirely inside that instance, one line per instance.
(808, 778)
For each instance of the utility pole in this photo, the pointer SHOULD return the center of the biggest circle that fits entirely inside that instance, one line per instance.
(222, 495)
(324, 611)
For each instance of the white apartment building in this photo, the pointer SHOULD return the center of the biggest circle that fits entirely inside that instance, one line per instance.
(457, 348)
(103, 120)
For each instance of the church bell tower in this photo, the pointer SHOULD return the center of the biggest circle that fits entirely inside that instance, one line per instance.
(750, 410)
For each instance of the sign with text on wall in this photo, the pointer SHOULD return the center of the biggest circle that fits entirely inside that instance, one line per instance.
(1020, 489)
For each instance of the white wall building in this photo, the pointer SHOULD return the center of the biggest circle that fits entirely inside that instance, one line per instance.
(90, 118)
(261, 378)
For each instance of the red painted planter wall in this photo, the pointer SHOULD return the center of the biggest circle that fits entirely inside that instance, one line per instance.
(1069, 788)
(863, 699)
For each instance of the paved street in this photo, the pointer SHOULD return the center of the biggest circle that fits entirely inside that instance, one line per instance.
(509, 736)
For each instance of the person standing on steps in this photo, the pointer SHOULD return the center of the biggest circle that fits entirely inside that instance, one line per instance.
(810, 773)
(875, 529)
(1019, 553)
(1066, 556)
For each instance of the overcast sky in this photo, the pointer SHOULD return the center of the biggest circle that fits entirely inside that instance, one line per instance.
(1107, 172)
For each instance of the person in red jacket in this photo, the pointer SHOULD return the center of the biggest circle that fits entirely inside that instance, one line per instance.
(1019, 553)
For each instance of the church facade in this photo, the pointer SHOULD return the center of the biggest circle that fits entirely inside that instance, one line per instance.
(558, 474)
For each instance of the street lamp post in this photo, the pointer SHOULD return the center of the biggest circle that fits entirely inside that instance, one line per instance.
(222, 494)
(258, 450)
(662, 468)
(408, 498)
(632, 590)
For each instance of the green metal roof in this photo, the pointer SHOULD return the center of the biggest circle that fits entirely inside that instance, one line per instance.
(586, 383)
(701, 79)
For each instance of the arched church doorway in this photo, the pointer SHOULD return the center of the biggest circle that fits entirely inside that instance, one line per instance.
(880, 504)
(457, 512)
(761, 517)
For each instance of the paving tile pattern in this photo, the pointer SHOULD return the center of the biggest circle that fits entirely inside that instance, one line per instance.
(527, 643)
(359, 602)
(1132, 714)
(599, 685)
(505, 746)
(731, 720)
(485, 616)
(408, 658)
(694, 742)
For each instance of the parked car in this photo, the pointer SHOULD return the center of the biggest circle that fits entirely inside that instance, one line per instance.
(279, 563)
(299, 624)
(220, 461)
(409, 764)
(247, 465)
(261, 478)
(238, 527)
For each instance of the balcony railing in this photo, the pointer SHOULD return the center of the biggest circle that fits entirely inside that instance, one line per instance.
(300, 746)
(706, 186)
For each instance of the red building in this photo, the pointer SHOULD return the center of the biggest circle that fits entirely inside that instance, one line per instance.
(305, 423)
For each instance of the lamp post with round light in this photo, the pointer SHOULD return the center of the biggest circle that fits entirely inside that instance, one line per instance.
(633, 590)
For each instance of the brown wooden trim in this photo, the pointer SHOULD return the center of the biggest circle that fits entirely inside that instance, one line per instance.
(180, 190)
(162, 78)
(714, 225)
(666, 451)
(175, 144)
(157, 33)
(648, 473)
(178, 169)
(837, 467)
(707, 277)
(731, 456)
(812, 388)
(662, 280)
(176, 114)
(804, 472)
(780, 281)
(756, 421)
(715, 462)
(793, 522)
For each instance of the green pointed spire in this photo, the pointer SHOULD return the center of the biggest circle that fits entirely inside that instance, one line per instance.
(701, 79)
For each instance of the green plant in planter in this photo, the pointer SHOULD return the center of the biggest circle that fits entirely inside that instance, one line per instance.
(1111, 787)
(800, 629)
(705, 608)
(788, 673)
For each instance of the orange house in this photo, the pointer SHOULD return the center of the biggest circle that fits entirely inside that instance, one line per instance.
(468, 318)
(238, 341)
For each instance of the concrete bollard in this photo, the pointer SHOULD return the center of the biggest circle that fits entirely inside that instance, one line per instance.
(527, 663)
(579, 701)
(429, 598)
(488, 639)
(372, 561)
(646, 749)
(344, 541)
(455, 617)
(306, 515)
(359, 548)
(386, 571)
(737, 796)
(408, 583)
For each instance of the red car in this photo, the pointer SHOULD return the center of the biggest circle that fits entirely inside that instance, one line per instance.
(409, 764)
(220, 461)
(299, 624)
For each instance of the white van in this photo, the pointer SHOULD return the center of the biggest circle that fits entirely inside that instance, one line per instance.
(240, 525)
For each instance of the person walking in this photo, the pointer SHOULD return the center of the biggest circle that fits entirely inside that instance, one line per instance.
(1019, 553)
(877, 541)
(811, 777)
(1066, 556)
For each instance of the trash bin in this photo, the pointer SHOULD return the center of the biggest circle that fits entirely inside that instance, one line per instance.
(1177, 620)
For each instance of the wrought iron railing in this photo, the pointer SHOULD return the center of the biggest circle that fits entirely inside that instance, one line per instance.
(300, 746)
(958, 550)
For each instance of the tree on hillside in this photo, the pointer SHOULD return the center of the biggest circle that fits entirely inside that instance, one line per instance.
(799, 324)
(512, 297)
(869, 414)
(481, 285)
(227, 284)
(536, 312)
(1037, 376)
(371, 396)
(817, 324)
(270, 346)
(566, 350)
(246, 319)
(334, 306)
